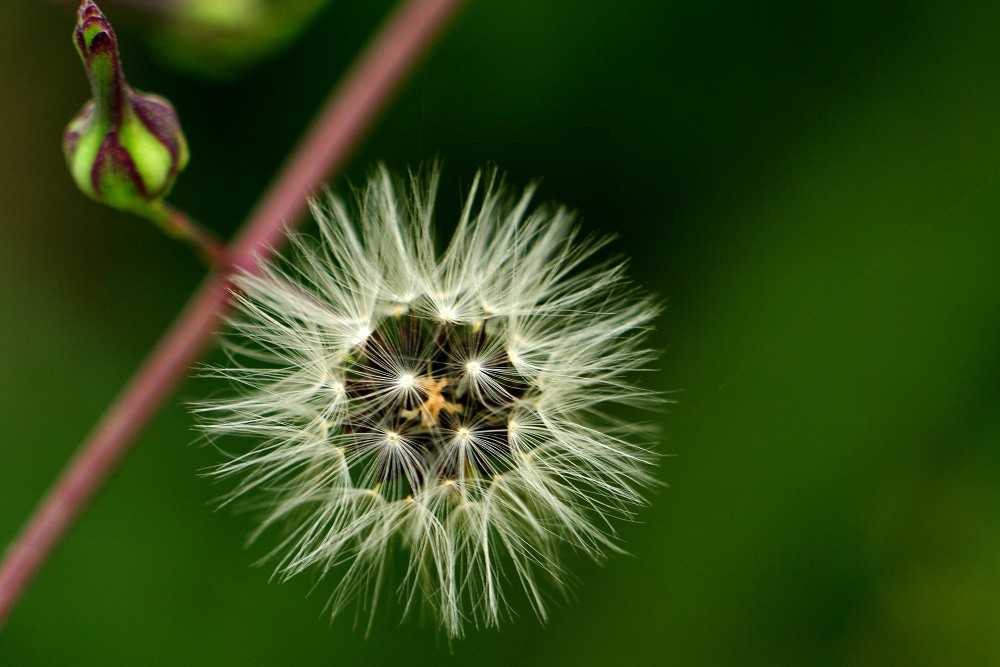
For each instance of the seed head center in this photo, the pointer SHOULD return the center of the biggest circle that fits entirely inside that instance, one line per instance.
(430, 411)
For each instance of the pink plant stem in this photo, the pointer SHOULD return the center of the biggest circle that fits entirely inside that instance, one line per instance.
(345, 118)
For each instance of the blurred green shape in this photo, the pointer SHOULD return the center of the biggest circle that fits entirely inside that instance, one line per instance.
(223, 38)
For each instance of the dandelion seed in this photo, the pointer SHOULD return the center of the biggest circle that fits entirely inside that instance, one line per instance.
(450, 407)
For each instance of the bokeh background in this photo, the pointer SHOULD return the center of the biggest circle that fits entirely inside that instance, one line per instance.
(813, 188)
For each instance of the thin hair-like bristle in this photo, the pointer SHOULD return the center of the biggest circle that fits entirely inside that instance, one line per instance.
(449, 407)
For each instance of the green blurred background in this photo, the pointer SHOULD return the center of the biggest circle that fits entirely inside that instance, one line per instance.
(812, 187)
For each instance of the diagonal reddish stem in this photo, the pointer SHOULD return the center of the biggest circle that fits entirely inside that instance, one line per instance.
(346, 116)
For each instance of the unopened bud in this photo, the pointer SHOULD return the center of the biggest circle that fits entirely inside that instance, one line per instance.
(125, 148)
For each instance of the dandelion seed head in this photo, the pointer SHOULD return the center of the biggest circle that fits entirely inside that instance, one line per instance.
(461, 412)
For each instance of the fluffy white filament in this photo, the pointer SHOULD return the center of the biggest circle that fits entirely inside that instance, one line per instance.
(491, 494)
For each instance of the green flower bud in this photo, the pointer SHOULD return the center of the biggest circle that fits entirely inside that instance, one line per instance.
(125, 148)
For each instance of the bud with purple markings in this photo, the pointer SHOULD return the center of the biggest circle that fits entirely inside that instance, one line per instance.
(125, 148)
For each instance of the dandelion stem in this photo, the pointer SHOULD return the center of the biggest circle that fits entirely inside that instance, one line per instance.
(344, 119)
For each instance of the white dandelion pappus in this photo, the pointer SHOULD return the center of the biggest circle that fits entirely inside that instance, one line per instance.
(450, 407)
